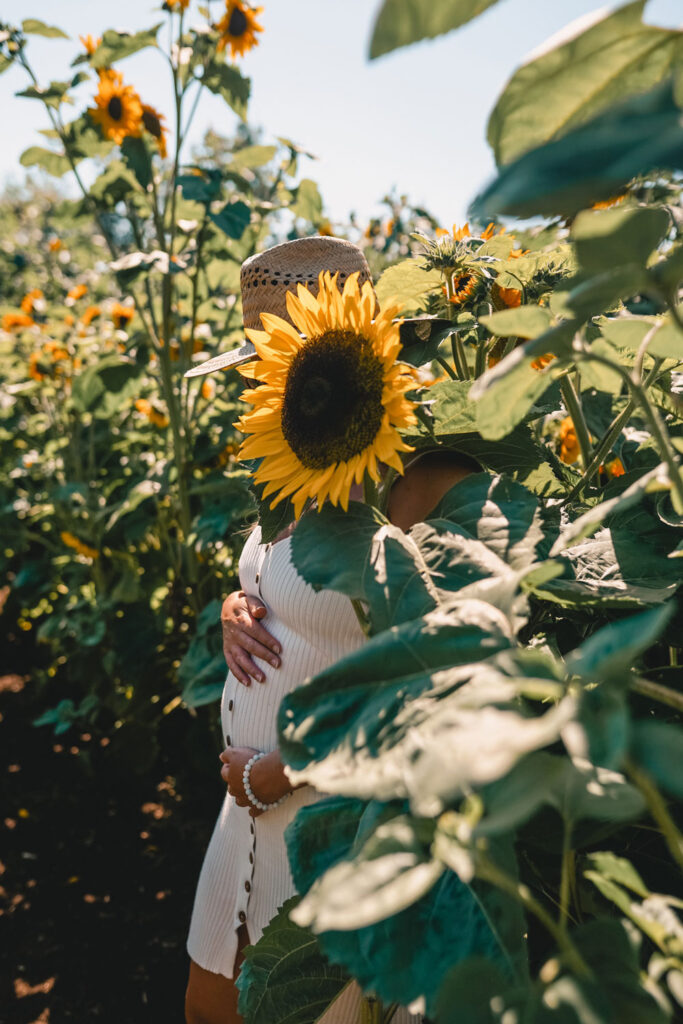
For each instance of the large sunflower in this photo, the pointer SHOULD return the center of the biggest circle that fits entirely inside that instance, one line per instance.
(119, 110)
(238, 27)
(332, 398)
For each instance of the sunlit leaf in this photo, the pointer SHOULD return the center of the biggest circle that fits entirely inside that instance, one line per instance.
(402, 22)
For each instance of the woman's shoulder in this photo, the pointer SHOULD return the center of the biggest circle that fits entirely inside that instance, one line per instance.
(427, 478)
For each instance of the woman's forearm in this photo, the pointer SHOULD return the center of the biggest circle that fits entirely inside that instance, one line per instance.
(268, 780)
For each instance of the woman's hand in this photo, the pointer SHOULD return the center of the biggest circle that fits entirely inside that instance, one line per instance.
(267, 778)
(244, 636)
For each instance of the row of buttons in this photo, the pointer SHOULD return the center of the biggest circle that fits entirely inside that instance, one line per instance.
(242, 915)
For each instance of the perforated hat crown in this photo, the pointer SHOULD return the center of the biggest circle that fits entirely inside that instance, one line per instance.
(266, 278)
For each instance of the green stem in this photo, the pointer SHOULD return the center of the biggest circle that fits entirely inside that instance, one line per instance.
(662, 694)
(480, 360)
(459, 357)
(572, 402)
(605, 445)
(663, 443)
(363, 620)
(371, 1010)
(566, 873)
(447, 367)
(490, 872)
(658, 809)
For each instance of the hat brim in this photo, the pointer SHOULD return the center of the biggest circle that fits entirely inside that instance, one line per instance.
(235, 357)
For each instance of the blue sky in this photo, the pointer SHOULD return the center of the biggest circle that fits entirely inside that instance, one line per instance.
(414, 120)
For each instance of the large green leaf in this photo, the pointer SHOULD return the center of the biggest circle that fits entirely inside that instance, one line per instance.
(56, 164)
(658, 748)
(591, 162)
(107, 387)
(522, 322)
(406, 955)
(370, 694)
(615, 237)
(587, 524)
(408, 283)
(611, 652)
(616, 56)
(114, 46)
(506, 393)
(285, 979)
(391, 871)
(320, 835)
(32, 26)
(226, 81)
(308, 202)
(233, 218)
(402, 22)
(629, 333)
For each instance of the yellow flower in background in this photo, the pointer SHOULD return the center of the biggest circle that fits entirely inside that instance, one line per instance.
(152, 121)
(75, 293)
(118, 110)
(153, 415)
(90, 44)
(238, 27)
(91, 313)
(122, 315)
(462, 286)
(78, 545)
(33, 371)
(15, 321)
(569, 445)
(208, 389)
(55, 244)
(332, 396)
(29, 300)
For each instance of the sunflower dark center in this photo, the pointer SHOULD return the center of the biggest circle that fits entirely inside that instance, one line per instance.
(115, 108)
(332, 408)
(461, 282)
(237, 25)
(152, 123)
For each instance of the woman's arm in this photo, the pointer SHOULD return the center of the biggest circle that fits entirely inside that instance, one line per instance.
(417, 493)
(267, 777)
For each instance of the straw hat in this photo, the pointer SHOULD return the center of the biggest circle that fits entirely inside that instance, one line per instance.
(266, 278)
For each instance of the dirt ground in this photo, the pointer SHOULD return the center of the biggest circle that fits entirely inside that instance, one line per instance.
(97, 869)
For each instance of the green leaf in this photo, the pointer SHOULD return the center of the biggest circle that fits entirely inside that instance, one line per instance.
(589, 522)
(233, 218)
(252, 156)
(136, 156)
(522, 322)
(226, 81)
(444, 927)
(56, 164)
(658, 748)
(52, 95)
(629, 332)
(409, 283)
(611, 652)
(467, 992)
(616, 56)
(308, 202)
(203, 186)
(390, 872)
(604, 291)
(140, 492)
(369, 694)
(106, 387)
(402, 22)
(421, 338)
(619, 236)
(32, 26)
(285, 979)
(320, 835)
(506, 393)
(591, 162)
(117, 45)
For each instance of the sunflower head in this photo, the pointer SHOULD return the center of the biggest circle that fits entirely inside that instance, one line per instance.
(117, 110)
(153, 122)
(331, 397)
(238, 27)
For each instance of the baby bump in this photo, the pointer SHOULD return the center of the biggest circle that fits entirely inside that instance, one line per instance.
(249, 713)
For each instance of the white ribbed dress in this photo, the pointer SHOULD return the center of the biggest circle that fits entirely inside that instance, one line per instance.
(245, 876)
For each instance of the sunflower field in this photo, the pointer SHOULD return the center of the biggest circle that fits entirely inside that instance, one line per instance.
(502, 840)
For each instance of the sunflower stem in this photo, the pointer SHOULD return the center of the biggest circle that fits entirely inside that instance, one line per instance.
(363, 620)
(481, 356)
(447, 367)
(459, 357)
(572, 402)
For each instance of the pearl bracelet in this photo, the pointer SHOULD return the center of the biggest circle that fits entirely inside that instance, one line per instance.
(254, 801)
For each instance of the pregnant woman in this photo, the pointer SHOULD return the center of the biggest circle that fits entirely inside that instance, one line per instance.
(245, 877)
